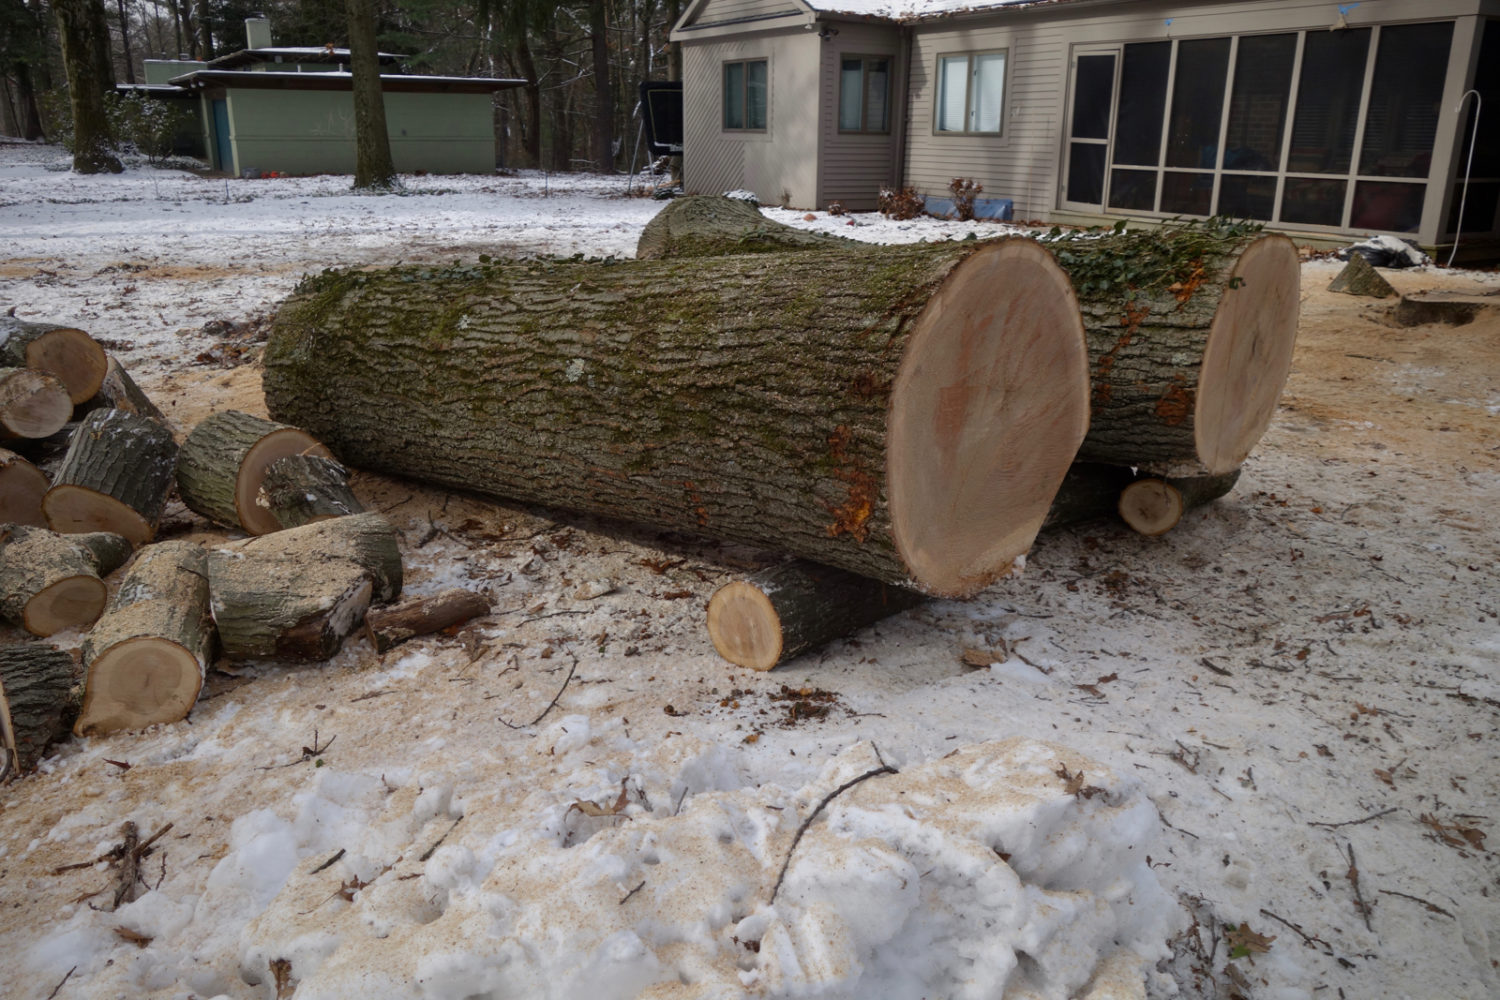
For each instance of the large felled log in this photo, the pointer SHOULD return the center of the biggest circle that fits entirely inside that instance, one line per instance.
(33, 403)
(905, 414)
(50, 582)
(712, 225)
(147, 655)
(65, 351)
(296, 594)
(38, 702)
(1189, 353)
(22, 486)
(301, 489)
(118, 391)
(391, 626)
(224, 460)
(115, 477)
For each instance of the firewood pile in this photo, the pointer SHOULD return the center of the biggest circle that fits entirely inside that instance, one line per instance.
(901, 422)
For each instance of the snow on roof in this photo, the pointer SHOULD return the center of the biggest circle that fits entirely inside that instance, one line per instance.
(910, 9)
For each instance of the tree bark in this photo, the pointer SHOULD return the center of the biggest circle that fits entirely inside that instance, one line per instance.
(205, 31)
(118, 391)
(33, 403)
(391, 626)
(223, 463)
(50, 582)
(84, 52)
(373, 168)
(301, 489)
(38, 702)
(604, 97)
(148, 654)
(906, 414)
(115, 477)
(64, 351)
(296, 594)
(125, 42)
(712, 226)
(22, 486)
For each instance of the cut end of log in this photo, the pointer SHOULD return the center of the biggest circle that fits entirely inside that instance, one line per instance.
(74, 357)
(74, 602)
(987, 411)
(22, 486)
(137, 683)
(1151, 506)
(1248, 355)
(286, 441)
(33, 403)
(744, 626)
(72, 509)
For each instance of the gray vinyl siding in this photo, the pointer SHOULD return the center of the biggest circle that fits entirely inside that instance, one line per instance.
(718, 11)
(856, 166)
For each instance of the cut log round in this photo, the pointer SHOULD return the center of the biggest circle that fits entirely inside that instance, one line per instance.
(301, 489)
(147, 655)
(224, 461)
(38, 702)
(50, 582)
(1186, 378)
(65, 351)
(118, 391)
(784, 611)
(712, 225)
(115, 477)
(33, 403)
(296, 594)
(906, 413)
(391, 626)
(22, 486)
(1153, 506)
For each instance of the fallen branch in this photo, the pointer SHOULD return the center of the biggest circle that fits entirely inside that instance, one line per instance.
(1359, 897)
(1311, 940)
(883, 769)
(550, 704)
(1356, 822)
(1432, 907)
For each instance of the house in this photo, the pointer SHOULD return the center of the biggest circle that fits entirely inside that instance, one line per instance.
(1321, 118)
(291, 110)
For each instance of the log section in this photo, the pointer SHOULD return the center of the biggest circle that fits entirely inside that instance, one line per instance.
(147, 656)
(115, 477)
(1153, 506)
(22, 486)
(118, 391)
(33, 403)
(906, 413)
(301, 489)
(50, 582)
(67, 352)
(712, 226)
(38, 702)
(224, 461)
(391, 626)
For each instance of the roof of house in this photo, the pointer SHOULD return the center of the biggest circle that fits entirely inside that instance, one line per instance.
(292, 54)
(391, 83)
(911, 10)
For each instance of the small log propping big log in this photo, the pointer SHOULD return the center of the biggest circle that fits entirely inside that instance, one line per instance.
(65, 351)
(905, 413)
(50, 582)
(115, 477)
(38, 703)
(223, 463)
(33, 403)
(22, 486)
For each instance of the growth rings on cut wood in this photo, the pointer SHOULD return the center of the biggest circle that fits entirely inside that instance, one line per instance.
(115, 476)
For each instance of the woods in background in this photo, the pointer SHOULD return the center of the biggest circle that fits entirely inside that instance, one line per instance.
(581, 60)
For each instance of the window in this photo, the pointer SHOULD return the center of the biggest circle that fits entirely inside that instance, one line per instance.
(971, 93)
(745, 95)
(864, 94)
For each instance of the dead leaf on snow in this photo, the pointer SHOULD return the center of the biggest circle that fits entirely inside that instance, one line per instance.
(1246, 943)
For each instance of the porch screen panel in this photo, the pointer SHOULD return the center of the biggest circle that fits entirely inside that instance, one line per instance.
(1143, 97)
(1093, 86)
(1198, 103)
(877, 91)
(1405, 100)
(1086, 173)
(1258, 103)
(1247, 196)
(1333, 75)
(953, 88)
(1386, 205)
(1132, 190)
(851, 83)
(989, 92)
(1313, 201)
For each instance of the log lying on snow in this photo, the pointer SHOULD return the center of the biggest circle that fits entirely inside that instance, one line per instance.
(905, 414)
(38, 702)
(22, 486)
(224, 461)
(118, 391)
(65, 351)
(33, 403)
(297, 594)
(50, 582)
(147, 656)
(115, 477)
(711, 226)
(301, 489)
(391, 626)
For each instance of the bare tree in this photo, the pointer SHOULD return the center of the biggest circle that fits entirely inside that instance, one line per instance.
(373, 168)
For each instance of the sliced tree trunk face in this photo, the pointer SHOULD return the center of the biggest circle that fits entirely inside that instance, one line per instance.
(33, 403)
(147, 656)
(223, 463)
(114, 478)
(22, 486)
(64, 351)
(49, 582)
(37, 703)
(905, 414)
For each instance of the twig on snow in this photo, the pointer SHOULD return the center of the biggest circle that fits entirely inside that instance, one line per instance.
(56, 989)
(883, 769)
(1431, 907)
(1311, 940)
(550, 705)
(1356, 822)
(1359, 897)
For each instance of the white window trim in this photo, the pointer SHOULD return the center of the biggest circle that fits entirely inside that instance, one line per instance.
(937, 93)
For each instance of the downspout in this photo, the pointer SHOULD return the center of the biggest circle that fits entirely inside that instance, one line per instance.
(899, 180)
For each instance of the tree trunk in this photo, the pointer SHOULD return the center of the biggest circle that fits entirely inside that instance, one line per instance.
(205, 31)
(373, 168)
(115, 477)
(31, 114)
(33, 403)
(391, 626)
(301, 489)
(712, 226)
(1153, 506)
(296, 594)
(125, 42)
(82, 44)
(50, 582)
(906, 413)
(22, 486)
(118, 391)
(787, 610)
(38, 702)
(604, 97)
(148, 655)
(65, 351)
(223, 463)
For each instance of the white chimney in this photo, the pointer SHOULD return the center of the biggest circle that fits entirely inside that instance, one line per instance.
(257, 32)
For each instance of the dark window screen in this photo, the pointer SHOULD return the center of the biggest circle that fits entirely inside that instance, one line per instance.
(1257, 105)
(1406, 100)
(1333, 74)
(1132, 190)
(1198, 103)
(1313, 201)
(1093, 86)
(1247, 197)
(1086, 173)
(1386, 205)
(1143, 95)
(1487, 82)
(1187, 194)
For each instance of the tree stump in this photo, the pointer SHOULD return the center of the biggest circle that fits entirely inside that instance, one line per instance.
(50, 582)
(905, 413)
(66, 352)
(224, 461)
(147, 656)
(301, 489)
(296, 594)
(712, 226)
(115, 477)
(1359, 277)
(118, 391)
(38, 702)
(22, 486)
(33, 403)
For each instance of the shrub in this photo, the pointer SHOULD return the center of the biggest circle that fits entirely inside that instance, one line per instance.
(900, 205)
(964, 190)
(137, 124)
(835, 208)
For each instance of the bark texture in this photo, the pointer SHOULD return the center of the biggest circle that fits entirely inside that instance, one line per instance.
(712, 226)
(1359, 277)
(22, 486)
(85, 52)
(67, 352)
(391, 626)
(740, 397)
(297, 594)
(301, 489)
(38, 702)
(224, 460)
(50, 582)
(115, 477)
(118, 391)
(33, 403)
(373, 167)
(146, 657)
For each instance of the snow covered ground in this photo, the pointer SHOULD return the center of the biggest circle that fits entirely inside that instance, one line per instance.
(1254, 757)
